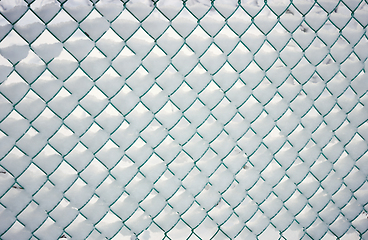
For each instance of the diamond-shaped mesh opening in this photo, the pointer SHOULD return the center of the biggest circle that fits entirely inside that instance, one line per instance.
(170, 119)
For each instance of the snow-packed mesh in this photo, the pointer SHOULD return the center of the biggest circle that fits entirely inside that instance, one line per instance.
(183, 120)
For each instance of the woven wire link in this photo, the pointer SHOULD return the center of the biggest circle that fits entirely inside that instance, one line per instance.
(183, 119)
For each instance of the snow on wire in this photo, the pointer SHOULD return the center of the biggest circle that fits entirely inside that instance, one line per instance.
(185, 119)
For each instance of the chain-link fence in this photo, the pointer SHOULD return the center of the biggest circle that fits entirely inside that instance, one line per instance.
(188, 119)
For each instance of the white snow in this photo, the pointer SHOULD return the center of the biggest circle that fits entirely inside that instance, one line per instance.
(95, 25)
(47, 46)
(140, 119)
(13, 10)
(13, 47)
(46, 10)
(95, 64)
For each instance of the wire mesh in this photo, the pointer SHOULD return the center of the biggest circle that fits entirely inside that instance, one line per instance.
(183, 119)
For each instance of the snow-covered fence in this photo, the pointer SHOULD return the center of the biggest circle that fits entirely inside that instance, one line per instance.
(187, 119)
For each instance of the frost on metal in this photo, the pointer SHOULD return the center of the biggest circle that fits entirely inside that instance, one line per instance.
(179, 119)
